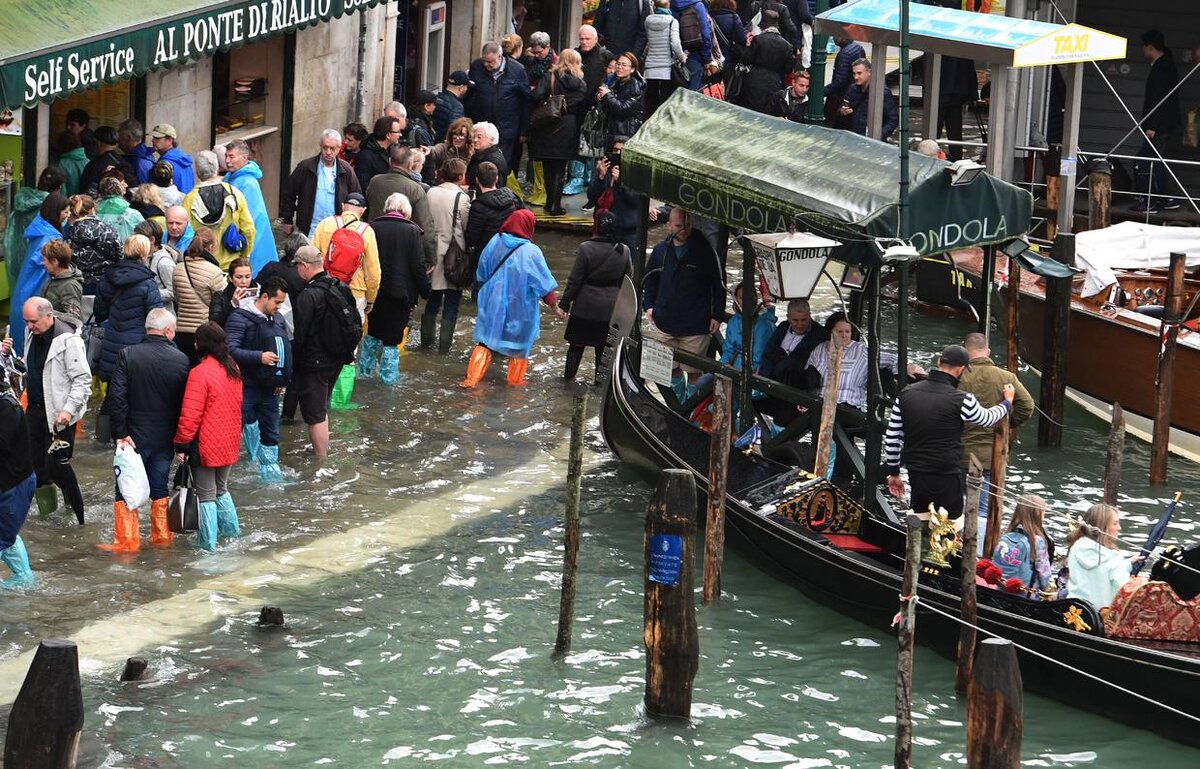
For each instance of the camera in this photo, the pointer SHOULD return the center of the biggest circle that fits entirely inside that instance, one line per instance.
(613, 158)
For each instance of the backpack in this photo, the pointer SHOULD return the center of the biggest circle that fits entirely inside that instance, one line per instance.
(346, 248)
(690, 34)
(1013, 556)
(341, 329)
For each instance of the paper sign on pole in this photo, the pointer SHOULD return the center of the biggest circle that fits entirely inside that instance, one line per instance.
(657, 362)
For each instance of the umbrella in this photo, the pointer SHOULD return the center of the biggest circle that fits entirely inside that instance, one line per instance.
(1156, 534)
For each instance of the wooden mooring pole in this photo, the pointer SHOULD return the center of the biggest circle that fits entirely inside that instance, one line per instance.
(833, 375)
(1056, 338)
(1116, 452)
(671, 637)
(970, 537)
(718, 471)
(1164, 382)
(906, 641)
(998, 469)
(47, 717)
(1099, 193)
(1012, 315)
(566, 605)
(994, 718)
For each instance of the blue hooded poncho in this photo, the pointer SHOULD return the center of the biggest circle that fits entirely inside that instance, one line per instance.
(247, 179)
(508, 321)
(33, 275)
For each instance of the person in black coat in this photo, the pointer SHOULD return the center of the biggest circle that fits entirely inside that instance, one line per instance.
(621, 24)
(485, 136)
(785, 358)
(449, 106)
(500, 96)
(491, 207)
(791, 103)
(126, 295)
(730, 31)
(854, 109)
(625, 102)
(145, 395)
(843, 77)
(770, 57)
(610, 195)
(558, 143)
(600, 267)
(955, 90)
(784, 23)
(374, 156)
(1160, 119)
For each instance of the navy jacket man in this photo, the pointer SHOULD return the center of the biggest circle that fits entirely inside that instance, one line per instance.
(500, 96)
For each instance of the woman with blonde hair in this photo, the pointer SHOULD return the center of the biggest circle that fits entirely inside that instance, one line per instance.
(1096, 568)
(197, 279)
(459, 143)
(1025, 551)
(126, 295)
(557, 143)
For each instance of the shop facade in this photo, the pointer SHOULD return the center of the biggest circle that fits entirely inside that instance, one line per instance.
(273, 72)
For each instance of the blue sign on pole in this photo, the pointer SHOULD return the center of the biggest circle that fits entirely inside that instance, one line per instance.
(666, 558)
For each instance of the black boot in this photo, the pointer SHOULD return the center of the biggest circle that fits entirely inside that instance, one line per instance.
(574, 357)
(446, 338)
(428, 331)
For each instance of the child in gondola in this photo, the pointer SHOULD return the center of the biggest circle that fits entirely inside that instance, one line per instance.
(1025, 551)
(1097, 570)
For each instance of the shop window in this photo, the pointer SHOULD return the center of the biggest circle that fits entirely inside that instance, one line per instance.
(107, 105)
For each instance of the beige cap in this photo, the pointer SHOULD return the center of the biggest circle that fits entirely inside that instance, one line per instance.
(163, 129)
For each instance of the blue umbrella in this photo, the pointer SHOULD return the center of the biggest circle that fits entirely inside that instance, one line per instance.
(1156, 534)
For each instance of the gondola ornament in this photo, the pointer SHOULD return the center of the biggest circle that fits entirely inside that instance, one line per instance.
(943, 539)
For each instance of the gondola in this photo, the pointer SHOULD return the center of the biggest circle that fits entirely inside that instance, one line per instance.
(815, 536)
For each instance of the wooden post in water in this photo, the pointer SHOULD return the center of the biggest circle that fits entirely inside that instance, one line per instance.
(906, 641)
(566, 604)
(671, 637)
(1056, 338)
(1116, 452)
(1164, 382)
(1012, 312)
(1052, 187)
(833, 374)
(970, 538)
(994, 719)
(718, 467)
(47, 716)
(1099, 193)
(998, 469)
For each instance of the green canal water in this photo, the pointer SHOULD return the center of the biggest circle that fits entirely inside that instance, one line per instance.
(419, 575)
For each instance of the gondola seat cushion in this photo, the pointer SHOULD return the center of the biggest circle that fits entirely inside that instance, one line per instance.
(1152, 610)
(852, 543)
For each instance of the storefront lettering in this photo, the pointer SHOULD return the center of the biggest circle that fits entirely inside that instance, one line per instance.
(954, 235)
(176, 42)
(717, 204)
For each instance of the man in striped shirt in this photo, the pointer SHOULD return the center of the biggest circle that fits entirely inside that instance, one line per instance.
(925, 432)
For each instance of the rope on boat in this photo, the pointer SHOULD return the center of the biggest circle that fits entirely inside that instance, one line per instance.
(1048, 658)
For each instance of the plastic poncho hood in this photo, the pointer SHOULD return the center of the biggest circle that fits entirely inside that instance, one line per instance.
(246, 180)
(33, 274)
(508, 321)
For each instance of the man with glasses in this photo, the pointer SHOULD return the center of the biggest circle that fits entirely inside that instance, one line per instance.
(57, 385)
(373, 155)
(318, 186)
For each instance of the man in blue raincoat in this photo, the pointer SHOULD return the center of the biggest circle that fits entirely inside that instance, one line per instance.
(244, 174)
(514, 277)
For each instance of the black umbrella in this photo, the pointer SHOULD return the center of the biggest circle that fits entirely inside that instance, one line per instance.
(1156, 534)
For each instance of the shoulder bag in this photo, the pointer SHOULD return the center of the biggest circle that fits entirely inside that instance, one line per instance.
(547, 115)
(456, 265)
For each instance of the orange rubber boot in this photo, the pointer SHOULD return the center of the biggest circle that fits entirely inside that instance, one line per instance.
(516, 370)
(477, 366)
(126, 538)
(160, 533)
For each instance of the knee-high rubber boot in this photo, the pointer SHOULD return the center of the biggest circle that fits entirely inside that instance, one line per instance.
(481, 358)
(446, 335)
(17, 559)
(227, 520)
(576, 178)
(160, 533)
(367, 355)
(47, 499)
(537, 195)
(574, 358)
(389, 367)
(514, 184)
(126, 537)
(516, 370)
(251, 438)
(268, 465)
(428, 331)
(206, 536)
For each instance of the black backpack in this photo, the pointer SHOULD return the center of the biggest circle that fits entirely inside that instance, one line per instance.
(341, 329)
(691, 36)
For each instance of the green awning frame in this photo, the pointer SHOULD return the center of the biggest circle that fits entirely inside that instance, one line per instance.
(1045, 266)
(763, 174)
(52, 48)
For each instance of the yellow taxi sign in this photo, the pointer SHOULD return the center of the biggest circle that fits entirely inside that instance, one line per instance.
(1069, 44)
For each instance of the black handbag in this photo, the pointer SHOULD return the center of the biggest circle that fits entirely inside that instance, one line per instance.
(680, 74)
(733, 85)
(183, 510)
(549, 113)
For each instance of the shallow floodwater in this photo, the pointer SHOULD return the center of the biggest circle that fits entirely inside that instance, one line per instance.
(419, 576)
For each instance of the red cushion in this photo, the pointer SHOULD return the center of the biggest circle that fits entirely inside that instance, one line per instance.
(852, 542)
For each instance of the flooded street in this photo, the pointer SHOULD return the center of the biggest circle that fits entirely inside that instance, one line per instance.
(418, 572)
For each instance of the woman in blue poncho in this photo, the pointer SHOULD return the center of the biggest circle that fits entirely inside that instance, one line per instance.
(514, 277)
(45, 227)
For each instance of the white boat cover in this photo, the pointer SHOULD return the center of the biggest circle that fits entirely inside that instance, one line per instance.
(1131, 246)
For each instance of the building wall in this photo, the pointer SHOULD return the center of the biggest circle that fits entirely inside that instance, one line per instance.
(183, 98)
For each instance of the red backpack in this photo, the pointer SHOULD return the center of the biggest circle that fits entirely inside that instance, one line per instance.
(346, 249)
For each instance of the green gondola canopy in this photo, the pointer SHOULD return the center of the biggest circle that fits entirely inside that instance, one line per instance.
(763, 174)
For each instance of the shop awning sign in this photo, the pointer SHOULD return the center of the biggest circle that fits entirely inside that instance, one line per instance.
(38, 65)
(1069, 44)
